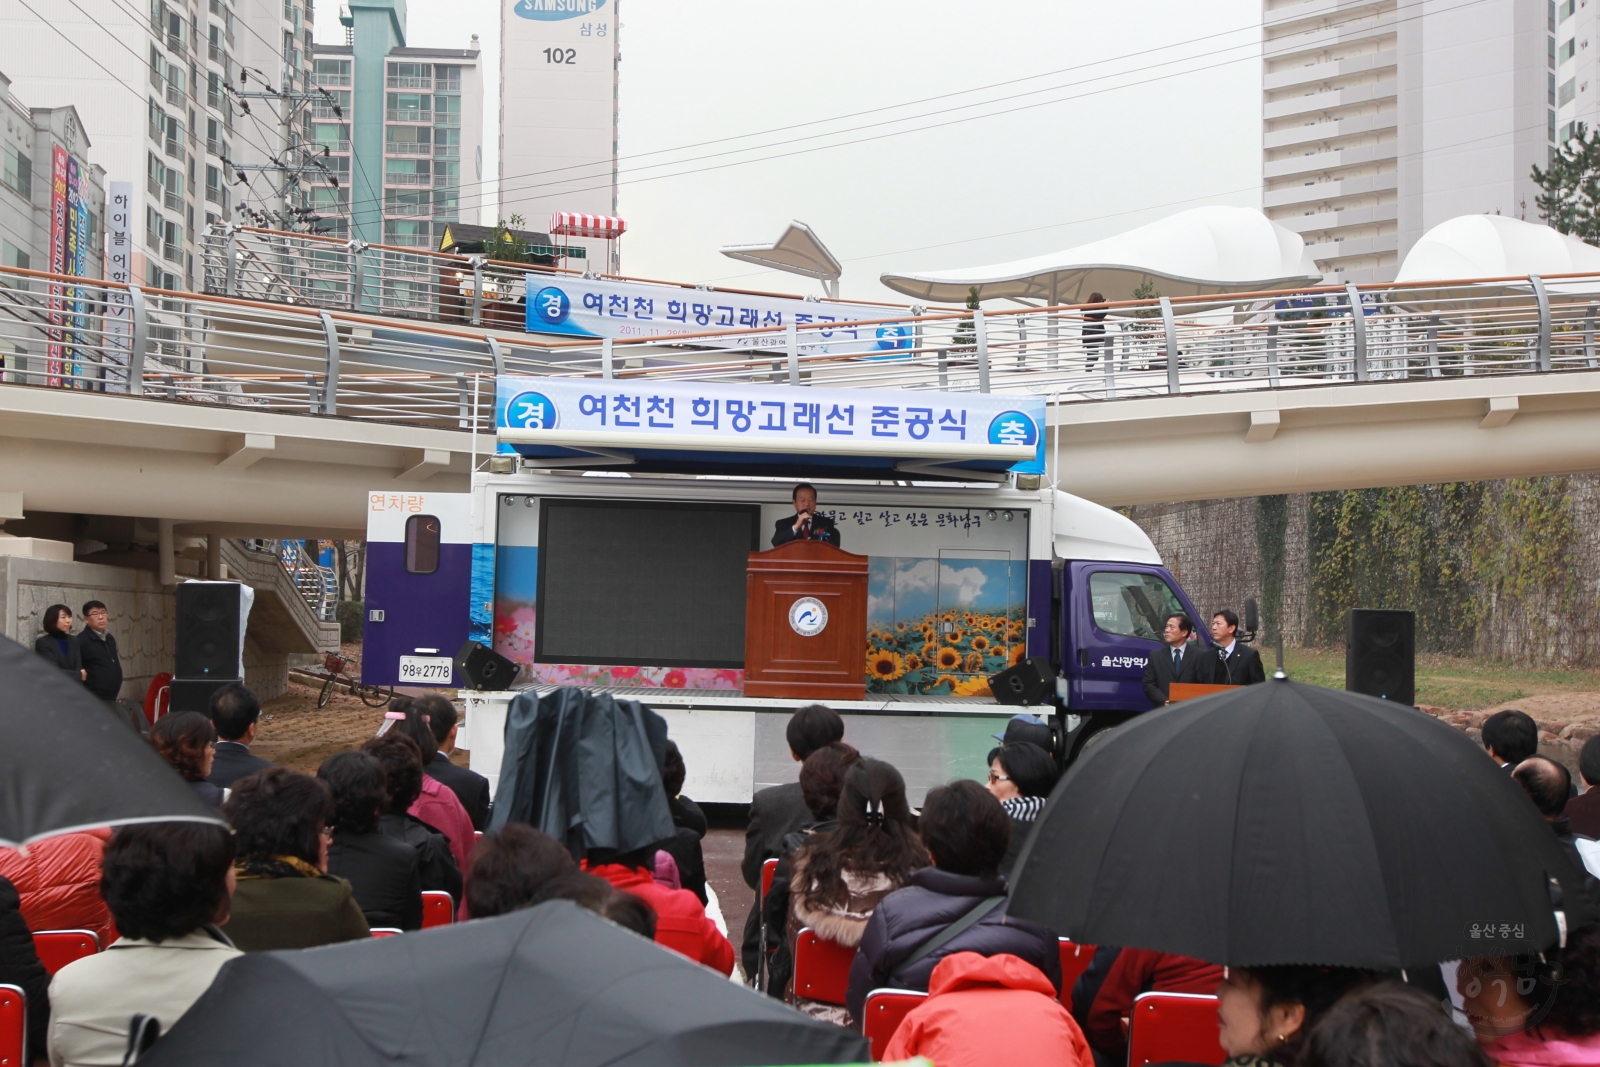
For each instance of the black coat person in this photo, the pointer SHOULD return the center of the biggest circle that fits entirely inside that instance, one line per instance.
(58, 644)
(97, 651)
(1240, 666)
(805, 524)
(1160, 672)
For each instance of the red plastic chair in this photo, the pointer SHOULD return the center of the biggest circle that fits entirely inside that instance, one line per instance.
(157, 696)
(884, 1010)
(387, 931)
(13, 1027)
(1165, 1027)
(1075, 959)
(821, 968)
(437, 909)
(57, 948)
(768, 869)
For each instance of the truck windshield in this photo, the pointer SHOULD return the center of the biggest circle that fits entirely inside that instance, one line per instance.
(1133, 605)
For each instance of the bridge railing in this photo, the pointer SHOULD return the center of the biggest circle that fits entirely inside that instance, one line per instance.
(76, 333)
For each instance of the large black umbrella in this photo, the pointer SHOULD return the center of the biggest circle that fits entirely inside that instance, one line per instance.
(70, 763)
(1286, 823)
(553, 984)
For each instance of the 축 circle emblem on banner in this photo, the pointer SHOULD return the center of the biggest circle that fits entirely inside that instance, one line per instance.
(807, 616)
(893, 336)
(551, 306)
(1013, 428)
(531, 411)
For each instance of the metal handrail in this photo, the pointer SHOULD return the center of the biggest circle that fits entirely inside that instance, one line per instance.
(298, 348)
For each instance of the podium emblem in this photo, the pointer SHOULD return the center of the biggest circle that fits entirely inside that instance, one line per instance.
(808, 617)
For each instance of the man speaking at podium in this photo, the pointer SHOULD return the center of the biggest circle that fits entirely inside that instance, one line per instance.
(805, 524)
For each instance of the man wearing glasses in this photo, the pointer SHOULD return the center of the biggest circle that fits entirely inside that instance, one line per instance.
(102, 666)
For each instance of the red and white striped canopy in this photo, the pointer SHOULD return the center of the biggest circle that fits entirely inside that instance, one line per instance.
(572, 224)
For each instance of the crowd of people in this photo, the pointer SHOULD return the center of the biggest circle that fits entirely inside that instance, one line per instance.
(920, 896)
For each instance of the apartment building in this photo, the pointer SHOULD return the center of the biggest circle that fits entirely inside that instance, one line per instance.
(33, 234)
(155, 84)
(1382, 119)
(405, 148)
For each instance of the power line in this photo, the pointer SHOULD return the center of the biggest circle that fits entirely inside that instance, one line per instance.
(1144, 76)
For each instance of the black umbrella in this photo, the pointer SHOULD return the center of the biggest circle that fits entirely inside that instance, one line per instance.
(71, 763)
(553, 984)
(1285, 823)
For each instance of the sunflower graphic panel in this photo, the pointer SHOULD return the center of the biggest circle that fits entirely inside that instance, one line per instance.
(941, 626)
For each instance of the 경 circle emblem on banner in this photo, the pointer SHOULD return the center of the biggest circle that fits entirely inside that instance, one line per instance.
(807, 616)
(531, 411)
(1013, 428)
(551, 306)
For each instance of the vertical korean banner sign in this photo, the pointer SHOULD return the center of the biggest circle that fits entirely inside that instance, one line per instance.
(58, 259)
(77, 237)
(119, 268)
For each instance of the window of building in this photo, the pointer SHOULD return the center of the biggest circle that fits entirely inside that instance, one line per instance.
(1551, 132)
(18, 172)
(446, 205)
(1552, 90)
(446, 143)
(1569, 89)
(407, 172)
(1551, 42)
(1566, 10)
(398, 202)
(1568, 50)
(410, 107)
(407, 233)
(1567, 131)
(408, 140)
(331, 72)
(447, 173)
(410, 76)
(14, 256)
(447, 110)
(447, 79)
(335, 136)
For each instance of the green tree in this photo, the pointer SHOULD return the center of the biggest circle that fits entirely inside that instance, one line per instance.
(1570, 201)
(505, 245)
(966, 334)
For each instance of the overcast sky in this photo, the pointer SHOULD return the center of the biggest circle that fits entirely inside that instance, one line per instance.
(1112, 116)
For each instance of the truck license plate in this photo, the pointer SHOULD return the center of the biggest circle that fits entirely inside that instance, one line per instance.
(435, 669)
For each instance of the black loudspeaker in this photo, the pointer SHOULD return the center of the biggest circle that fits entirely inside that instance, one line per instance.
(1380, 654)
(194, 694)
(208, 630)
(1030, 682)
(478, 667)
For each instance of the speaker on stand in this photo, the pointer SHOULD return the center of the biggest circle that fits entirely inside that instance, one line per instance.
(1380, 654)
(209, 635)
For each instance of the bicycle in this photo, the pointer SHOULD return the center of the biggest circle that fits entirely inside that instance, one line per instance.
(371, 695)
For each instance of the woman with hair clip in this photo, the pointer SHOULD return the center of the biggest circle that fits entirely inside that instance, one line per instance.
(838, 878)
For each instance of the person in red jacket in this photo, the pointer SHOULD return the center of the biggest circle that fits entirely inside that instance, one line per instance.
(681, 922)
(1105, 992)
(58, 880)
(983, 1010)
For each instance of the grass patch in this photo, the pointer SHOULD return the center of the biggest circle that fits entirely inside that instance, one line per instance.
(1453, 682)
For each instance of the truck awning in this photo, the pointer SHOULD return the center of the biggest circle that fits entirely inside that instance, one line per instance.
(718, 428)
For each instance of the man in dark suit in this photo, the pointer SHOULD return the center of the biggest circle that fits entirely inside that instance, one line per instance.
(776, 812)
(470, 787)
(1228, 662)
(805, 524)
(1176, 661)
(236, 712)
(102, 666)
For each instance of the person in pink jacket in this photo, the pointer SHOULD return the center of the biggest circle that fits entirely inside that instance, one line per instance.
(983, 1010)
(438, 805)
(1528, 1014)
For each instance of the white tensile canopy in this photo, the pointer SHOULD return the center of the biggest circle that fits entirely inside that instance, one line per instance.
(1495, 246)
(1200, 251)
(798, 251)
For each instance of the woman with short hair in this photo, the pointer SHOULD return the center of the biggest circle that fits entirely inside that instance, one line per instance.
(1021, 776)
(58, 645)
(168, 886)
(185, 740)
(382, 872)
(1266, 1013)
(285, 897)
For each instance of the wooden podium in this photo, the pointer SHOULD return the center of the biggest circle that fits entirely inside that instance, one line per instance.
(805, 628)
(1189, 690)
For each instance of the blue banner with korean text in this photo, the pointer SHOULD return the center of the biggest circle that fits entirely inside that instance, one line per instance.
(601, 307)
(703, 416)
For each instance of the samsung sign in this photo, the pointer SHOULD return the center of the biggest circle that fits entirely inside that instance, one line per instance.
(556, 10)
